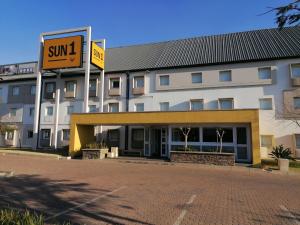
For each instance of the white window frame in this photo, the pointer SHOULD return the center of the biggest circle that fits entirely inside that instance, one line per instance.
(64, 131)
(225, 99)
(47, 110)
(69, 82)
(161, 77)
(295, 106)
(265, 99)
(221, 73)
(13, 91)
(297, 65)
(68, 109)
(136, 105)
(93, 81)
(164, 103)
(135, 81)
(113, 104)
(199, 74)
(261, 69)
(112, 80)
(92, 106)
(51, 84)
(196, 100)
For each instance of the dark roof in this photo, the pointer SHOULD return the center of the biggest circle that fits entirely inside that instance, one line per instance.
(257, 45)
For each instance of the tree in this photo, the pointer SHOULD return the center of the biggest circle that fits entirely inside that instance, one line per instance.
(185, 131)
(220, 134)
(287, 15)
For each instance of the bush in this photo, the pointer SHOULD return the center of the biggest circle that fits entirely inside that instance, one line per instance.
(281, 152)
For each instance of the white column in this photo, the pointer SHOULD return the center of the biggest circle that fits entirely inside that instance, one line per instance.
(102, 88)
(87, 70)
(55, 132)
(38, 96)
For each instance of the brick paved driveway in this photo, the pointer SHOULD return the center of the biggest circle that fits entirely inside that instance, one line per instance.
(136, 192)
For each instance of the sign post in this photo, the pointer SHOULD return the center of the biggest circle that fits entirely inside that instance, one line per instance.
(61, 53)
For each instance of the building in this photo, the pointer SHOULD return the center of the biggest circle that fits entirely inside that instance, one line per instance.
(255, 70)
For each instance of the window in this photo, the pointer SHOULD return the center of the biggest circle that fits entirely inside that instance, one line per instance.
(225, 76)
(113, 135)
(50, 87)
(296, 102)
(92, 108)
(226, 103)
(196, 104)
(46, 133)
(114, 83)
(31, 111)
(29, 134)
(66, 134)
(138, 82)
(164, 106)
(32, 90)
(193, 136)
(113, 107)
(297, 139)
(265, 104)
(266, 141)
(49, 111)
(164, 80)
(295, 70)
(196, 78)
(15, 91)
(10, 135)
(137, 138)
(210, 134)
(70, 86)
(12, 112)
(70, 109)
(139, 107)
(264, 73)
(93, 85)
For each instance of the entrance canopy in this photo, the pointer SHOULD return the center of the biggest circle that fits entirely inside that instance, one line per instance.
(82, 124)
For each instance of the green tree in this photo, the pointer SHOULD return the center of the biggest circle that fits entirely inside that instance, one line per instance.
(287, 15)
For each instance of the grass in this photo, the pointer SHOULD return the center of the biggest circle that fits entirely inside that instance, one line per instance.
(16, 217)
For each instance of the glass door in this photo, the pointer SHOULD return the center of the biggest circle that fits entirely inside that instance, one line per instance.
(242, 144)
(164, 141)
(147, 139)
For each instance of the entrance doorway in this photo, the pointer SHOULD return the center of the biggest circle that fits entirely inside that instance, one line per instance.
(156, 142)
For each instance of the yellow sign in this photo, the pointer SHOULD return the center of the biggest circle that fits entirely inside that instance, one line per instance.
(63, 53)
(97, 56)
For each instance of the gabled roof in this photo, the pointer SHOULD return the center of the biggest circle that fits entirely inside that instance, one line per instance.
(257, 45)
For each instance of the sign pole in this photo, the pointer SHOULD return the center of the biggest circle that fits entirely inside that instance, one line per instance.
(87, 70)
(38, 96)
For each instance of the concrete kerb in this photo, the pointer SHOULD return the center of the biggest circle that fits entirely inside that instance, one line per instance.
(35, 154)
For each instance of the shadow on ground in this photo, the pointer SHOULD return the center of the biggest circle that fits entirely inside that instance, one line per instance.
(51, 197)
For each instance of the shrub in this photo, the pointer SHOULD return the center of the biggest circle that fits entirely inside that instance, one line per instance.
(96, 145)
(281, 152)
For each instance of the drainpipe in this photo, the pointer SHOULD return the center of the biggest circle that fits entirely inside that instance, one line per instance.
(127, 108)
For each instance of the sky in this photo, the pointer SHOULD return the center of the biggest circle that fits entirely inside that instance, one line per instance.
(125, 22)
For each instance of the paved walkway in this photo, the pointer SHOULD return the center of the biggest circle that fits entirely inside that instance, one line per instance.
(133, 192)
